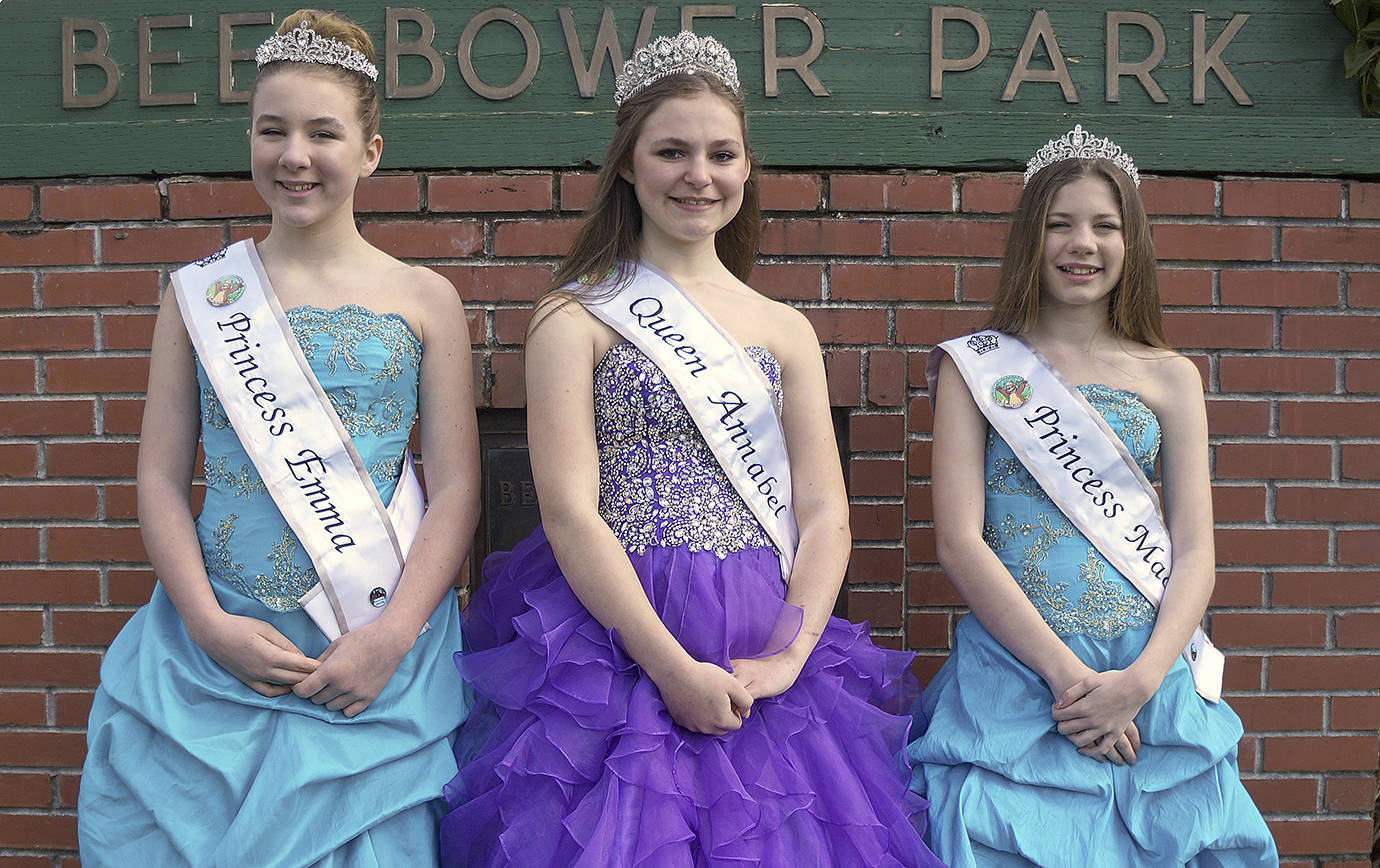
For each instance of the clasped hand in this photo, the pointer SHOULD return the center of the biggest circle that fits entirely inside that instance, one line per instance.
(702, 697)
(1096, 714)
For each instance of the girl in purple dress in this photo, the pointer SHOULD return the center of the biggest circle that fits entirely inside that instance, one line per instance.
(650, 690)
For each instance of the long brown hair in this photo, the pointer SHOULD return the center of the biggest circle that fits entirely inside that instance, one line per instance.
(612, 223)
(1133, 307)
(333, 25)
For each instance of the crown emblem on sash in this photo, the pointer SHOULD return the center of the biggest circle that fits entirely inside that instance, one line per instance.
(1011, 391)
(207, 260)
(225, 290)
(983, 343)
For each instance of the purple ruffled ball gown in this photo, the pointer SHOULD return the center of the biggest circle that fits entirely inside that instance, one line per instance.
(569, 757)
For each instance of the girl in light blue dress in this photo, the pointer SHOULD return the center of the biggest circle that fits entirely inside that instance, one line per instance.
(228, 730)
(1064, 728)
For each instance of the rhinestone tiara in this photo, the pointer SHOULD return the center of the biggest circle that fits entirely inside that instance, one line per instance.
(667, 55)
(304, 45)
(1080, 144)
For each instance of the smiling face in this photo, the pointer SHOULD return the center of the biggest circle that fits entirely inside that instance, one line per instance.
(1084, 249)
(307, 147)
(688, 169)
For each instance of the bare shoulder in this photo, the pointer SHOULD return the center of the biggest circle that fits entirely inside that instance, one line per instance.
(789, 334)
(559, 321)
(1170, 384)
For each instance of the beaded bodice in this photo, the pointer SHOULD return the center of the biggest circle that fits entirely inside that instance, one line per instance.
(1072, 586)
(659, 483)
(368, 364)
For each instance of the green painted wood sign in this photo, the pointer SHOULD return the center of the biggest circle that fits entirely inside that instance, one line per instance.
(101, 87)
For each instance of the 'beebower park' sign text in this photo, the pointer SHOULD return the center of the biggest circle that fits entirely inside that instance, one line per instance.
(132, 86)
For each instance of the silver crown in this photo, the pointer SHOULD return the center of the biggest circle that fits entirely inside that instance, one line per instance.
(1080, 144)
(304, 45)
(667, 55)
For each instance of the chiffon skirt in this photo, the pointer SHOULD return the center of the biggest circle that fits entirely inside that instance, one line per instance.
(570, 758)
(1007, 789)
(187, 766)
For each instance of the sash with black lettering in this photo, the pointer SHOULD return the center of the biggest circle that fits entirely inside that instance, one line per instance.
(1080, 463)
(724, 390)
(295, 439)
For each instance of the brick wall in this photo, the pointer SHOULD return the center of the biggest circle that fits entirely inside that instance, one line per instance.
(1272, 287)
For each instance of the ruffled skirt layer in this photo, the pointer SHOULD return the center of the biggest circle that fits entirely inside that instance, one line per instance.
(1007, 789)
(571, 759)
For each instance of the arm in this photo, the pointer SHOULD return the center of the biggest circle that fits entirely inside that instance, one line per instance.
(820, 506)
(355, 668)
(560, 433)
(250, 649)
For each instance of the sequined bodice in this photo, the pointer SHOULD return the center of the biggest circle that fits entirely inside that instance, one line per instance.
(1072, 586)
(659, 484)
(368, 364)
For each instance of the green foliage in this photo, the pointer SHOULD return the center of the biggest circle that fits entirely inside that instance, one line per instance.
(1362, 57)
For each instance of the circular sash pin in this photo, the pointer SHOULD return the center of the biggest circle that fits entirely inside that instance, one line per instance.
(378, 597)
(225, 290)
(1011, 391)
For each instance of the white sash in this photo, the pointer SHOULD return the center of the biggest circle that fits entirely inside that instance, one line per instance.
(724, 390)
(1081, 464)
(295, 439)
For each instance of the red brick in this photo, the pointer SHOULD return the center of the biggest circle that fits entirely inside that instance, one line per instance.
(1185, 286)
(1238, 502)
(1330, 244)
(1363, 289)
(255, 231)
(68, 790)
(1352, 795)
(886, 377)
(1220, 331)
(1240, 546)
(789, 192)
(1360, 461)
(927, 630)
(1345, 589)
(1178, 196)
(1238, 417)
(931, 588)
(1273, 461)
(38, 831)
(99, 458)
(843, 372)
(100, 289)
(1309, 835)
(95, 544)
(1271, 288)
(1297, 503)
(891, 192)
(925, 666)
(25, 790)
(919, 505)
(1272, 713)
(877, 608)
(1277, 374)
(476, 322)
(889, 282)
(789, 281)
(1329, 418)
(47, 332)
(18, 544)
(577, 190)
(876, 477)
(505, 282)
(1238, 588)
(509, 388)
(876, 433)
(1327, 673)
(21, 627)
(921, 418)
(127, 331)
(18, 460)
(431, 240)
(72, 707)
(48, 501)
(17, 290)
(1281, 795)
(88, 627)
(918, 458)
(176, 244)
(948, 238)
(17, 201)
(1360, 713)
(1358, 547)
(1365, 201)
(835, 325)
(130, 587)
(979, 283)
(97, 374)
(920, 546)
(210, 199)
(802, 236)
(990, 194)
(534, 237)
(123, 415)
(29, 247)
(18, 376)
(1358, 629)
(23, 708)
(510, 324)
(1297, 753)
(121, 502)
(95, 201)
(1212, 242)
(1363, 375)
(1350, 331)
(388, 193)
(1269, 630)
(29, 417)
(930, 326)
(1243, 672)
(50, 669)
(876, 566)
(50, 584)
(1281, 199)
(489, 192)
(876, 521)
